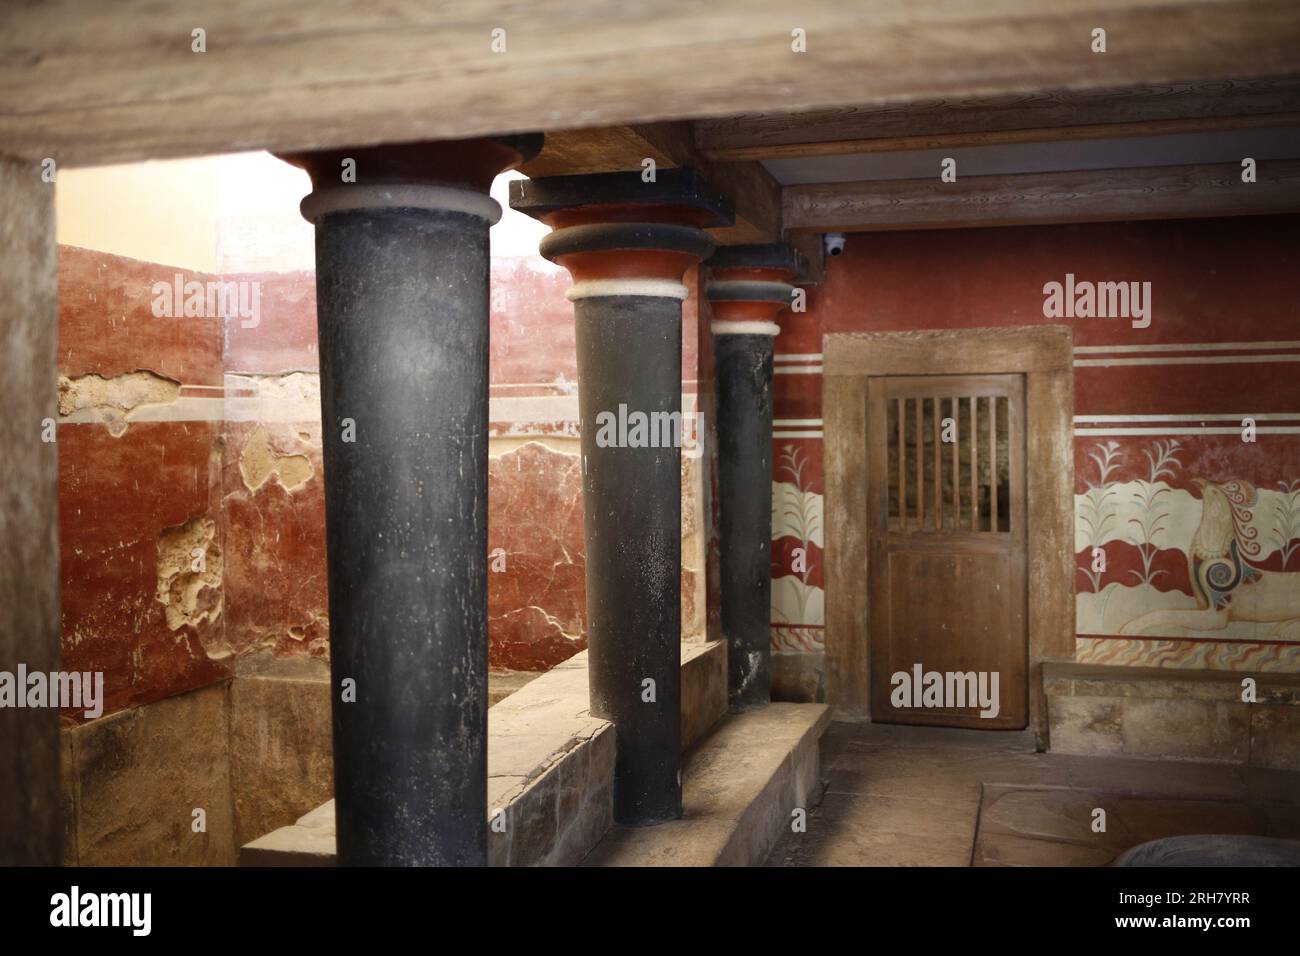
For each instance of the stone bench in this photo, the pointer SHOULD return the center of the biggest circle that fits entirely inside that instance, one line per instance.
(550, 770)
(1174, 714)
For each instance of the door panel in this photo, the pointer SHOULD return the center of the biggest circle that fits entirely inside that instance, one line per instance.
(947, 536)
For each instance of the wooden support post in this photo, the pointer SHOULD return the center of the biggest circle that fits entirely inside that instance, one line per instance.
(30, 819)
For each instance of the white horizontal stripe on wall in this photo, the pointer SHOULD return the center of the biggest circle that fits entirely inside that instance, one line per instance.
(1188, 347)
(1216, 417)
(1188, 360)
(804, 434)
(1175, 430)
(532, 408)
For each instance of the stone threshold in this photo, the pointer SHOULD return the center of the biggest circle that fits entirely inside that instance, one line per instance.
(550, 770)
(740, 786)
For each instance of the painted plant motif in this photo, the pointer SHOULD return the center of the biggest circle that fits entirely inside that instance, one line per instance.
(1097, 511)
(1162, 462)
(1194, 558)
(797, 603)
(1287, 514)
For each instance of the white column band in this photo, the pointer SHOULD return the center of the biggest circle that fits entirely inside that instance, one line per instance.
(400, 196)
(654, 288)
(744, 328)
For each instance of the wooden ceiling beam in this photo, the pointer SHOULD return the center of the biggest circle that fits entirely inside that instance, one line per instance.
(753, 193)
(1166, 192)
(89, 83)
(1040, 117)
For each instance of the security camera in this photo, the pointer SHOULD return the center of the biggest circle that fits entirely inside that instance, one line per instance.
(835, 243)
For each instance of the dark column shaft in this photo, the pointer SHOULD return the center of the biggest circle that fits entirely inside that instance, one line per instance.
(748, 286)
(402, 303)
(402, 307)
(744, 387)
(629, 353)
(627, 244)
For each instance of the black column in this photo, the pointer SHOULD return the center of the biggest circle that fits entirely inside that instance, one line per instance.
(744, 387)
(746, 290)
(629, 354)
(402, 308)
(627, 244)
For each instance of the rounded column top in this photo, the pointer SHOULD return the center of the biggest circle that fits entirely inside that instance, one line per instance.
(748, 286)
(448, 175)
(619, 235)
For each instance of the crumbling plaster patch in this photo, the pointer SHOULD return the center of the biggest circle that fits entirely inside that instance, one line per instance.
(189, 575)
(114, 399)
(259, 462)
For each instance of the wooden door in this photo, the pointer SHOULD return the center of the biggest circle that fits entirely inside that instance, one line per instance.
(946, 574)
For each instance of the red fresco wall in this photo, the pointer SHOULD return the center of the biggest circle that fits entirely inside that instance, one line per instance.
(231, 459)
(117, 495)
(1159, 409)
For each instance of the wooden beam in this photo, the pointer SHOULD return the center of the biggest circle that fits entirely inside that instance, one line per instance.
(1040, 117)
(810, 247)
(755, 196)
(953, 141)
(31, 805)
(603, 149)
(753, 193)
(90, 83)
(1166, 192)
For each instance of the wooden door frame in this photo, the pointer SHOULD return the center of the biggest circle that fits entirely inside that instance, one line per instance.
(1044, 355)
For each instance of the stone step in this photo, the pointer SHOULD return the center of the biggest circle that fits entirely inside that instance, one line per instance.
(740, 785)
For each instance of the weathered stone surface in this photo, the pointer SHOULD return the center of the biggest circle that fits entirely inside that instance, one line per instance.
(309, 842)
(1055, 826)
(850, 830)
(141, 773)
(1011, 850)
(1068, 679)
(281, 763)
(1173, 714)
(1060, 816)
(1086, 725)
(1275, 736)
(502, 683)
(798, 677)
(739, 787)
(550, 776)
(550, 764)
(922, 796)
(704, 688)
(1186, 729)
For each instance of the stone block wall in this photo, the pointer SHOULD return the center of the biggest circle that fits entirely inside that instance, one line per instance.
(1190, 715)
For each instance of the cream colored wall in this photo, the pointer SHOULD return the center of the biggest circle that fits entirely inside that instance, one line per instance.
(163, 212)
(220, 214)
